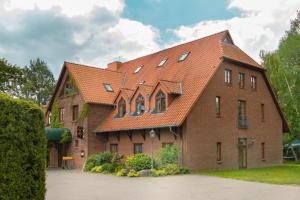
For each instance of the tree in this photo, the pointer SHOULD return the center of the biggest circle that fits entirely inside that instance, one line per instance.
(283, 70)
(40, 82)
(11, 79)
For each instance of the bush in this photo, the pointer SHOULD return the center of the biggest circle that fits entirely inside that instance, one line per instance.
(121, 172)
(97, 160)
(97, 169)
(133, 173)
(184, 170)
(158, 172)
(116, 158)
(23, 147)
(170, 169)
(107, 168)
(138, 162)
(169, 155)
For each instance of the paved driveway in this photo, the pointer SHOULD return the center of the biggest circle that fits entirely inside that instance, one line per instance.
(73, 185)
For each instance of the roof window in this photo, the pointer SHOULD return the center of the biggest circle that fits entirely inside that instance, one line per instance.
(162, 62)
(138, 69)
(108, 87)
(183, 56)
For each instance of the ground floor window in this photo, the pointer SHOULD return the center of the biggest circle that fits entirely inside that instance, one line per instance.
(138, 148)
(219, 151)
(164, 144)
(114, 148)
(263, 151)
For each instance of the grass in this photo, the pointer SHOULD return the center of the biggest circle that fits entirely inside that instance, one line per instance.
(284, 174)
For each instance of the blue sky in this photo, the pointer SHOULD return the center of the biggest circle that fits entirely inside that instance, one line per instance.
(96, 32)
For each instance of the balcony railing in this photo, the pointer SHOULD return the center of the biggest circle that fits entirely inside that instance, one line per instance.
(243, 122)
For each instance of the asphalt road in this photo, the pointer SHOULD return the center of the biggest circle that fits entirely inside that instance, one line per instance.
(77, 185)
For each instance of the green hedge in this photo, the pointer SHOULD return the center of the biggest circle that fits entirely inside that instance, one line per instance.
(22, 150)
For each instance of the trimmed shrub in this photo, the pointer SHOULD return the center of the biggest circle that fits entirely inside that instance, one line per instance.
(138, 162)
(97, 160)
(170, 169)
(121, 172)
(23, 147)
(133, 173)
(169, 155)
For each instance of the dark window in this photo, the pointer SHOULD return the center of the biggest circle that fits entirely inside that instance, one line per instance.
(69, 87)
(61, 114)
(218, 106)
(241, 80)
(80, 132)
(263, 151)
(219, 151)
(167, 144)
(114, 148)
(183, 56)
(160, 105)
(76, 143)
(162, 62)
(262, 110)
(242, 119)
(227, 78)
(121, 108)
(138, 148)
(140, 105)
(108, 87)
(75, 113)
(253, 83)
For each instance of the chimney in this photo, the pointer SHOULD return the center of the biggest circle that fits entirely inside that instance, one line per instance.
(114, 66)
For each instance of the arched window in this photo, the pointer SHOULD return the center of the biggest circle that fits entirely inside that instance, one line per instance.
(160, 105)
(121, 108)
(140, 105)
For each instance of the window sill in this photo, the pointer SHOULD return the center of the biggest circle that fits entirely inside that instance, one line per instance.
(219, 162)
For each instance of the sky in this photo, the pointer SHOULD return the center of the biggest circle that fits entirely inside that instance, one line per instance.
(97, 32)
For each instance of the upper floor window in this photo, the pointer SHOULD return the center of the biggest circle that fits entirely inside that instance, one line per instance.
(218, 106)
(70, 87)
(228, 79)
(61, 114)
(241, 80)
(75, 112)
(108, 87)
(121, 108)
(242, 119)
(162, 62)
(160, 105)
(140, 105)
(253, 83)
(183, 56)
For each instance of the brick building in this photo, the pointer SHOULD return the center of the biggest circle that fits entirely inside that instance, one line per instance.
(206, 96)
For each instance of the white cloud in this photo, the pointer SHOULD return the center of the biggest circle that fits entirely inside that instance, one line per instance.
(67, 7)
(261, 25)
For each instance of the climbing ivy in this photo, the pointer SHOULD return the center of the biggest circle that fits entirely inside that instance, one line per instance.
(84, 112)
(66, 137)
(54, 120)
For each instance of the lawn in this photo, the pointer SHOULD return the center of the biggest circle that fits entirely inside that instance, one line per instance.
(284, 174)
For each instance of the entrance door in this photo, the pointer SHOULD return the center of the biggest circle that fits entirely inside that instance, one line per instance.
(59, 154)
(242, 152)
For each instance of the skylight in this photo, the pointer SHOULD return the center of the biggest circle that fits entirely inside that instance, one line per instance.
(138, 69)
(162, 62)
(108, 87)
(183, 56)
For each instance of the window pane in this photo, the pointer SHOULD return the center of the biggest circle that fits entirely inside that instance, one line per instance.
(218, 106)
(75, 112)
(219, 151)
(108, 87)
(183, 56)
(114, 148)
(227, 76)
(138, 148)
(162, 62)
(241, 79)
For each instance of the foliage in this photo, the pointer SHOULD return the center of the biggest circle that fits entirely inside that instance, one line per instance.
(138, 162)
(121, 172)
(158, 172)
(117, 158)
(39, 83)
(133, 173)
(23, 148)
(170, 169)
(97, 160)
(54, 120)
(168, 155)
(283, 71)
(285, 174)
(184, 170)
(66, 137)
(108, 168)
(84, 112)
(97, 169)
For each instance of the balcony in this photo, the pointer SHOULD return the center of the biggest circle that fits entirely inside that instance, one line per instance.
(243, 122)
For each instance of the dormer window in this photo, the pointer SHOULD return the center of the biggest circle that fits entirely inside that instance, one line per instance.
(108, 87)
(183, 56)
(160, 103)
(121, 108)
(140, 105)
(162, 62)
(138, 69)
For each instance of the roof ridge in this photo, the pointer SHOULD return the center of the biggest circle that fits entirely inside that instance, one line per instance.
(89, 66)
(178, 45)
